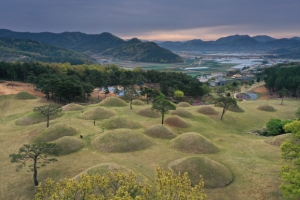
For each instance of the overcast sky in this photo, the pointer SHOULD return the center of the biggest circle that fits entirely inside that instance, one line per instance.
(155, 19)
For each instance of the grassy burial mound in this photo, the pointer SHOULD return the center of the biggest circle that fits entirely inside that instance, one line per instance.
(215, 175)
(109, 167)
(207, 110)
(137, 102)
(148, 112)
(68, 144)
(24, 96)
(120, 122)
(121, 140)
(97, 113)
(182, 113)
(35, 118)
(236, 109)
(193, 143)
(266, 107)
(177, 122)
(160, 131)
(184, 104)
(279, 139)
(113, 102)
(54, 132)
(72, 106)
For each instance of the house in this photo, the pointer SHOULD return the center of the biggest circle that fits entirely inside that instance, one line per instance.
(221, 81)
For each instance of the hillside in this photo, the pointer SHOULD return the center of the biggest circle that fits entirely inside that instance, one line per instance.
(143, 52)
(31, 50)
(253, 163)
(106, 43)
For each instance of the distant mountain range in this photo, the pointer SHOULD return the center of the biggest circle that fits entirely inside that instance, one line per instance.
(25, 50)
(237, 43)
(104, 43)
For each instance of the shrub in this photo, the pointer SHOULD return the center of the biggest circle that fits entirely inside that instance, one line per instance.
(275, 126)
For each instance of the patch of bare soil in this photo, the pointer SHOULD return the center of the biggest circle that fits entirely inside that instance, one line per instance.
(7, 88)
(263, 93)
(95, 94)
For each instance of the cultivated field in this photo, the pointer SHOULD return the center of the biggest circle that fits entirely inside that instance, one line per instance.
(235, 164)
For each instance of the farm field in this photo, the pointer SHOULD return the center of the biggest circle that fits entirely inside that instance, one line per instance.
(208, 67)
(252, 164)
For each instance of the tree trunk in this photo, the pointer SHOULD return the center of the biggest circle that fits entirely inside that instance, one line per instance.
(36, 183)
(222, 113)
(47, 121)
(131, 103)
(162, 118)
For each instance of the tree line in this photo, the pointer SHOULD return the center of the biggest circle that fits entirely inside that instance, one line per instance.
(283, 78)
(63, 82)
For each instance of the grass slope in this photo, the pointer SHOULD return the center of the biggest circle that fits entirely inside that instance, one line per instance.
(254, 163)
(181, 112)
(97, 113)
(148, 112)
(177, 121)
(160, 131)
(34, 118)
(113, 102)
(54, 132)
(266, 107)
(120, 122)
(24, 96)
(193, 143)
(184, 104)
(72, 107)
(121, 140)
(68, 144)
(207, 110)
(215, 175)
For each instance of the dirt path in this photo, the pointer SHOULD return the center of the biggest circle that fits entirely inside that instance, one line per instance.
(6, 88)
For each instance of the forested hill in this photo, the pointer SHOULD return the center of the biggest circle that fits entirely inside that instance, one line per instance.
(99, 43)
(31, 50)
(143, 52)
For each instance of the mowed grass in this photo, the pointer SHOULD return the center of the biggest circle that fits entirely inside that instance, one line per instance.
(254, 164)
(193, 143)
(215, 175)
(24, 96)
(54, 132)
(72, 107)
(121, 140)
(97, 113)
(68, 144)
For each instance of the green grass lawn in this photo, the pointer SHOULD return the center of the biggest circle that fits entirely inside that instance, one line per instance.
(255, 164)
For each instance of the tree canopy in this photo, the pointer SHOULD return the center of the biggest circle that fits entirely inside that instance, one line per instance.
(48, 110)
(36, 153)
(290, 151)
(226, 102)
(162, 105)
(122, 186)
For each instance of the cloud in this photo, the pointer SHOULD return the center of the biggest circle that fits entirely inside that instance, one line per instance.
(155, 18)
